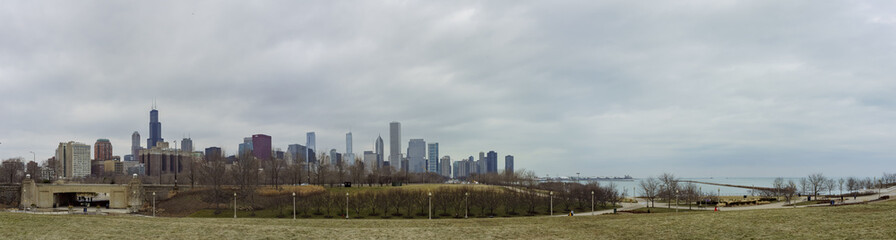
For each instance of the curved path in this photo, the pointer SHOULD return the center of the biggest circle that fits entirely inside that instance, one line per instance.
(891, 192)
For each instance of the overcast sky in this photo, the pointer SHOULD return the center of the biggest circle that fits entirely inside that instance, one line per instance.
(605, 88)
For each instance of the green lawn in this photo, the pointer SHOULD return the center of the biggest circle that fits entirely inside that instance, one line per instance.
(866, 221)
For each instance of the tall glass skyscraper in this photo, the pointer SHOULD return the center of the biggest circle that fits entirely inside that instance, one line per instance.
(380, 152)
(508, 164)
(491, 162)
(433, 159)
(310, 144)
(349, 155)
(155, 128)
(416, 155)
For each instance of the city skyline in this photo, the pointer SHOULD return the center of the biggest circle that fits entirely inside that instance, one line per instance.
(611, 88)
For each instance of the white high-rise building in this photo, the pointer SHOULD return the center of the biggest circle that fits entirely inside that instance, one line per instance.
(395, 143)
(349, 156)
(445, 166)
(432, 160)
(370, 160)
(73, 160)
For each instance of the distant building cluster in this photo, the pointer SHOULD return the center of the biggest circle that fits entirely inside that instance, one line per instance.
(158, 158)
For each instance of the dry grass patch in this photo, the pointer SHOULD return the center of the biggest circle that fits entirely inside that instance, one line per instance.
(868, 221)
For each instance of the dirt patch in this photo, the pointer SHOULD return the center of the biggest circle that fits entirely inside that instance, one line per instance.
(181, 204)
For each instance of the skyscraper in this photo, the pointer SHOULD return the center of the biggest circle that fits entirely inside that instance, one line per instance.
(135, 144)
(333, 157)
(296, 153)
(445, 166)
(508, 164)
(380, 152)
(155, 128)
(186, 145)
(370, 160)
(261, 147)
(102, 150)
(395, 142)
(349, 155)
(432, 161)
(310, 144)
(73, 160)
(244, 147)
(213, 153)
(491, 162)
(416, 155)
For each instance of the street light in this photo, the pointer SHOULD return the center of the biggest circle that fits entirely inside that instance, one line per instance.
(592, 203)
(676, 200)
(466, 204)
(346, 205)
(153, 204)
(293, 205)
(234, 205)
(430, 205)
(552, 203)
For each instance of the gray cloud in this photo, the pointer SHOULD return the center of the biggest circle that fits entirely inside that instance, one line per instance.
(699, 88)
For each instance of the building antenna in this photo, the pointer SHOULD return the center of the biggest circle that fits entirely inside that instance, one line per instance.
(153, 103)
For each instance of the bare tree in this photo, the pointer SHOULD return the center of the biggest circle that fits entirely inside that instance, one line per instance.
(816, 183)
(12, 170)
(830, 184)
(778, 186)
(649, 186)
(357, 172)
(670, 184)
(804, 186)
(789, 190)
(840, 183)
(690, 193)
(273, 169)
(246, 176)
(852, 185)
(212, 173)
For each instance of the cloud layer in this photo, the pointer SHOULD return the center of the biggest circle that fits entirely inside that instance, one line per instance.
(698, 88)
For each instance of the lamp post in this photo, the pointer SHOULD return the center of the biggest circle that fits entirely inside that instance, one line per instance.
(293, 205)
(430, 205)
(346, 205)
(153, 204)
(466, 204)
(592, 203)
(676, 200)
(699, 192)
(177, 164)
(234, 205)
(552, 203)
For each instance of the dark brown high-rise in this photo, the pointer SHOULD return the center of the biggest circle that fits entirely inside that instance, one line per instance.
(102, 150)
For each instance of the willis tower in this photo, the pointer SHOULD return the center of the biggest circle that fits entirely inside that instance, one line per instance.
(155, 128)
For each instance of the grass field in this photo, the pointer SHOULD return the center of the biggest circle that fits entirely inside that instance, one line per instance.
(867, 221)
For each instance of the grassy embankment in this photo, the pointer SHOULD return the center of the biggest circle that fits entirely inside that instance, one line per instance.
(866, 221)
(282, 207)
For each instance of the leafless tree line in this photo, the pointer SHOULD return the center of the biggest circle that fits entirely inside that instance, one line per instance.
(669, 188)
